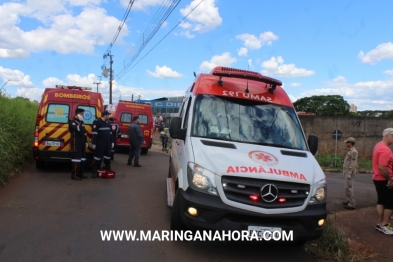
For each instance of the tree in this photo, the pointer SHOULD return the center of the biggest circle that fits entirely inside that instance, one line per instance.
(330, 105)
(389, 113)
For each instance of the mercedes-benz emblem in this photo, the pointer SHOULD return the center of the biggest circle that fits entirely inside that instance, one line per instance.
(269, 192)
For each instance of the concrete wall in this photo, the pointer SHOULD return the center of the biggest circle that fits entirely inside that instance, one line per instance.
(366, 130)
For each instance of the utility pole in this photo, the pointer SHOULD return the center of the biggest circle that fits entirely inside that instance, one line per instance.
(110, 79)
(132, 97)
(97, 83)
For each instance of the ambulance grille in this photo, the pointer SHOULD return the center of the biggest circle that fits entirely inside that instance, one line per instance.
(293, 153)
(218, 144)
(240, 189)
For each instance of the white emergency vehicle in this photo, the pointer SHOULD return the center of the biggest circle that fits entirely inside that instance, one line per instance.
(240, 159)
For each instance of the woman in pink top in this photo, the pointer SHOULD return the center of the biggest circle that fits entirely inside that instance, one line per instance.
(382, 178)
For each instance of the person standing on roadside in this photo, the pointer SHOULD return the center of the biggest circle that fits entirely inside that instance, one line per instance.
(78, 143)
(102, 142)
(349, 169)
(136, 139)
(382, 177)
(115, 134)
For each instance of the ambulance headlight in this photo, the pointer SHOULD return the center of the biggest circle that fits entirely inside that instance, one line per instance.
(318, 195)
(200, 179)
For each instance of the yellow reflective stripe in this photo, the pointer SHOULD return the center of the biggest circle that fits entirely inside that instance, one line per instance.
(45, 98)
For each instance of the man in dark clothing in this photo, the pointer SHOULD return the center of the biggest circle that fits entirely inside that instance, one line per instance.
(136, 139)
(78, 144)
(102, 142)
(115, 134)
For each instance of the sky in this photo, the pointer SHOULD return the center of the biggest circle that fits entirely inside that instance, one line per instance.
(332, 47)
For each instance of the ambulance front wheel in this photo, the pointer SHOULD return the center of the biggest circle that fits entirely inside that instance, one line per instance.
(176, 222)
(39, 164)
(144, 151)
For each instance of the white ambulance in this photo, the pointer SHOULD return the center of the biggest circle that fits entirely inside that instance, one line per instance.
(240, 159)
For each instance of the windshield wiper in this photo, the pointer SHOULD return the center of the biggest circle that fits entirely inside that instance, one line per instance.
(270, 144)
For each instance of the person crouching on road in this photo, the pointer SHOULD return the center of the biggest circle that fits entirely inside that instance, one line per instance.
(78, 144)
(136, 139)
(102, 142)
(115, 134)
(349, 169)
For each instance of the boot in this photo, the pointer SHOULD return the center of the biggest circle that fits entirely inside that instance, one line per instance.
(107, 164)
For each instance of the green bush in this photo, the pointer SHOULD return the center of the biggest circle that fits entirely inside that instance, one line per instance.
(327, 161)
(16, 134)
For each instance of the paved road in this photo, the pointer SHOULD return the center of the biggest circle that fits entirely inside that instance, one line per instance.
(365, 193)
(46, 216)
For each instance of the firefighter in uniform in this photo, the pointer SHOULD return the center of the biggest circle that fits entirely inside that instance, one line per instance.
(349, 169)
(78, 144)
(115, 134)
(102, 142)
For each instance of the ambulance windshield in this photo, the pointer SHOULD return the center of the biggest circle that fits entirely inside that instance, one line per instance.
(247, 121)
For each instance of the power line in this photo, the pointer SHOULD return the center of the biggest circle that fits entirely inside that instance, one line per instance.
(160, 17)
(121, 25)
(128, 69)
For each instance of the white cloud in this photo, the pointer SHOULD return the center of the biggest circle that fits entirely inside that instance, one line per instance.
(275, 66)
(164, 72)
(295, 84)
(381, 52)
(33, 93)
(204, 18)
(254, 42)
(389, 72)
(250, 63)
(142, 4)
(218, 60)
(370, 95)
(52, 82)
(56, 28)
(242, 51)
(16, 77)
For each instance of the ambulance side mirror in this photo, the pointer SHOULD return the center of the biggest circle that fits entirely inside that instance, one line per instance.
(312, 142)
(175, 130)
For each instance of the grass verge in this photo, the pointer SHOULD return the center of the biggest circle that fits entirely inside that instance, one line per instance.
(333, 244)
(16, 134)
(329, 161)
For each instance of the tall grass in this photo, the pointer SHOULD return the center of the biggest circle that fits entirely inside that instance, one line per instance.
(16, 134)
(329, 161)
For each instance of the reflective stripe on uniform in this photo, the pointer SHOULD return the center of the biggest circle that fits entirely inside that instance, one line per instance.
(94, 133)
(97, 158)
(83, 159)
(107, 157)
(104, 128)
(75, 160)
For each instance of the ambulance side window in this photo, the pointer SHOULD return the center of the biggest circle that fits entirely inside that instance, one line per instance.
(143, 119)
(58, 113)
(126, 118)
(187, 114)
(90, 114)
